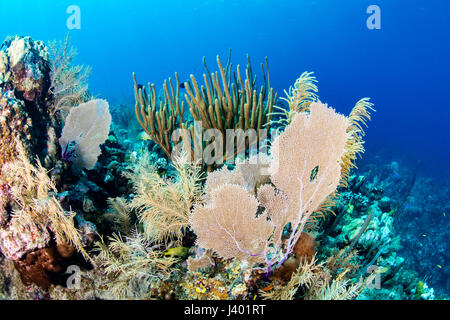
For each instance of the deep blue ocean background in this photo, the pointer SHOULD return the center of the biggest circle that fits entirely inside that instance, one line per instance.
(404, 67)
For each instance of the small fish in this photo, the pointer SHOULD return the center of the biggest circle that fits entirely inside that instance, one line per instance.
(424, 235)
(268, 288)
(68, 153)
(439, 266)
(382, 270)
(140, 86)
(350, 208)
(313, 175)
(177, 252)
(144, 136)
(443, 213)
(182, 85)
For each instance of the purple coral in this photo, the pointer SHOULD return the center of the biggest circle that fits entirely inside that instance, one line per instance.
(68, 152)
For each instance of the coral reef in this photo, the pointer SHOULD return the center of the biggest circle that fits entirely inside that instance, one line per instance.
(304, 184)
(234, 105)
(92, 207)
(42, 223)
(164, 205)
(24, 84)
(367, 221)
(68, 82)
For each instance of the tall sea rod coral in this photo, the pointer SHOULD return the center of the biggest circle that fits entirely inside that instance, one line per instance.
(225, 101)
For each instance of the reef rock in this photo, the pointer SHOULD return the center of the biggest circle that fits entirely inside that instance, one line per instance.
(26, 118)
(24, 90)
(38, 266)
(18, 239)
(24, 65)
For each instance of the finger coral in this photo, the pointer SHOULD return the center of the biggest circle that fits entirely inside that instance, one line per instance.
(221, 103)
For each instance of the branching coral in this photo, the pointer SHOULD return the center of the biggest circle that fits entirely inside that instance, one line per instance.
(119, 213)
(228, 105)
(304, 180)
(342, 259)
(36, 206)
(299, 98)
(340, 289)
(164, 204)
(319, 281)
(133, 264)
(334, 283)
(306, 274)
(68, 83)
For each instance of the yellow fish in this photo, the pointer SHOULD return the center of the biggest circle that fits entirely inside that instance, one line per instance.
(177, 252)
(382, 270)
(144, 136)
(350, 208)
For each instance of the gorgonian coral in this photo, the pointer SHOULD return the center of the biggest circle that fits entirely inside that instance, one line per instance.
(309, 161)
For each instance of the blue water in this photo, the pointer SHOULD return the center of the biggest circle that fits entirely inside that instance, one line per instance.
(403, 67)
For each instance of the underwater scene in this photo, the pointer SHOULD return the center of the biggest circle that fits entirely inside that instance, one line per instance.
(224, 150)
